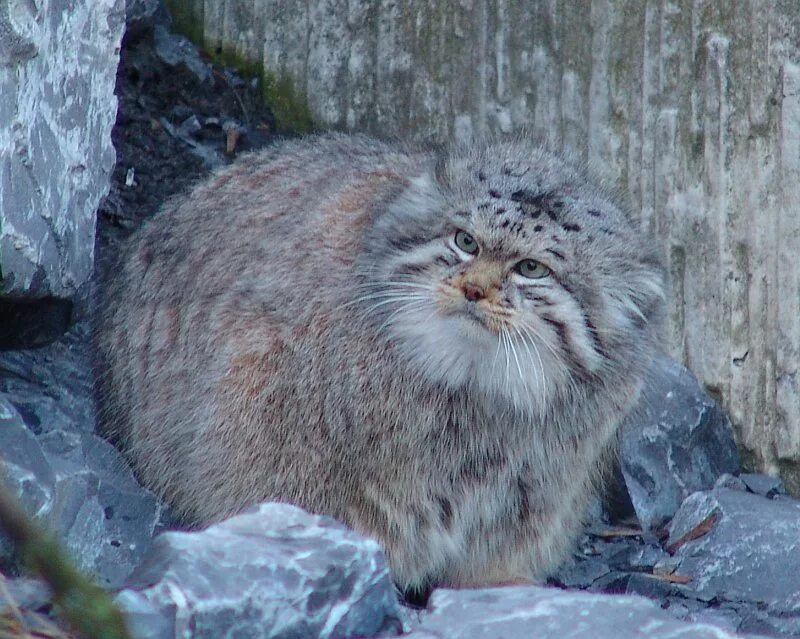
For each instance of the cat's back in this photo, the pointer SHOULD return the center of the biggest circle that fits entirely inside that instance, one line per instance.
(298, 201)
(245, 255)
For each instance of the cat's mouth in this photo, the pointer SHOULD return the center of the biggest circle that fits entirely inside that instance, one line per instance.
(474, 316)
(479, 314)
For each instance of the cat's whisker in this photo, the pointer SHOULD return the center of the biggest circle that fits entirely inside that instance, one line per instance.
(406, 307)
(388, 285)
(378, 296)
(497, 350)
(539, 337)
(516, 358)
(506, 340)
(530, 343)
(392, 300)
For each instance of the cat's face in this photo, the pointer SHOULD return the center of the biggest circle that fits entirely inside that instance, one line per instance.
(506, 271)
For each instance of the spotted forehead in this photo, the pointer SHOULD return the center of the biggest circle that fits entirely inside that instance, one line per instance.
(514, 199)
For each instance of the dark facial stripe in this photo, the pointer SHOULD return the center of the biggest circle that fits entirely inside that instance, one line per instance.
(531, 293)
(563, 335)
(407, 242)
(555, 253)
(447, 260)
(595, 336)
(410, 269)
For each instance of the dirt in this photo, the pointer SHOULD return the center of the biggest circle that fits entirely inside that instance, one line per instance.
(172, 127)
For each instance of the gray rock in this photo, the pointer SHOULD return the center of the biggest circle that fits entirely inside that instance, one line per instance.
(178, 50)
(676, 441)
(530, 613)
(24, 471)
(55, 141)
(763, 485)
(51, 387)
(74, 482)
(29, 599)
(750, 553)
(274, 571)
(24, 592)
(726, 480)
(142, 16)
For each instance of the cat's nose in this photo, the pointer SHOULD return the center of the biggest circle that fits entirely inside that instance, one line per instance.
(473, 292)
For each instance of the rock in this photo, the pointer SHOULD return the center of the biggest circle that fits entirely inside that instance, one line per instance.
(676, 441)
(274, 571)
(763, 485)
(51, 387)
(142, 17)
(529, 612)
(726, 480)
(30, 601)
(24, 592)
(55, 141)
(749, 549)
(178, 50)
(74, 482)
(25, 471)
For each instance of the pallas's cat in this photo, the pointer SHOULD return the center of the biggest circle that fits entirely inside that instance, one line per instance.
(435, 347)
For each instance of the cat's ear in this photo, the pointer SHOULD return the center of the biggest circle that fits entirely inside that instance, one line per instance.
(441, 171)
(637, 299)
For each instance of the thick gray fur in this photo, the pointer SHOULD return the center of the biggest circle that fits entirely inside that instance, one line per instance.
(303, 327)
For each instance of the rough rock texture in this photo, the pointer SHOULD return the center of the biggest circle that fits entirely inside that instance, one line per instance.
(750, 552)
(276, 569)
(58, 61)
(70, 479)
(676, 442)
(692, 107)
(721, 565)
(533, 613)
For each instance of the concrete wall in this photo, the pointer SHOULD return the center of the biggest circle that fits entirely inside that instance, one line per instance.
(58, 61)
(692, 106)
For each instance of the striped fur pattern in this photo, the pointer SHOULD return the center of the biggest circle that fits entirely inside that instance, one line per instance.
(434, 346)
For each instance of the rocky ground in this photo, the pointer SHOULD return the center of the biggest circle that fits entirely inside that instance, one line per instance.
(688, 547)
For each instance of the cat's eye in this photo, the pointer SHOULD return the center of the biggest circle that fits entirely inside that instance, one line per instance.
(465, 242)
(532, 269)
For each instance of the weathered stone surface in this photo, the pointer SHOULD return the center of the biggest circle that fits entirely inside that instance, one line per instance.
(142, 16)
(58, 61)
(531, 613)
(676, 442)
(763, 485)
(275, 571)
(751, 552)
(74, 482)
(701, 126)
(176, 49)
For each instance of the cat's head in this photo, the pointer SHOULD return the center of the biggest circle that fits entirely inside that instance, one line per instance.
(504, 268)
